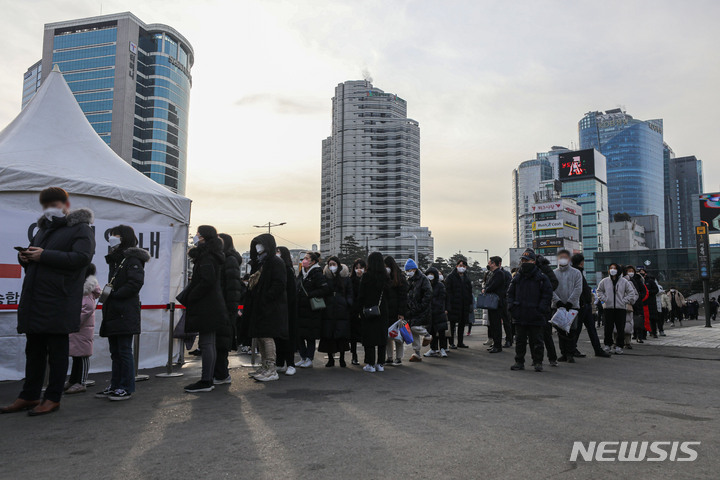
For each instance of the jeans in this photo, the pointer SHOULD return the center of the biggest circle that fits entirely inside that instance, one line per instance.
(79, 370)
(370, 358)
(42, 350)
(615, 317)
(123, 363)
(418, 334)
(221, 371)
(439, 340)
(496, 330)
(532, 334)
(306, 349)
(586, 318)
(549, 342)
(399, 348)
(206, 343)
(266, 346)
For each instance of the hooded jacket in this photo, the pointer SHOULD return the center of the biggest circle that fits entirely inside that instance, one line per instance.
(529, 298)
(52, 290)
(268, 303)
(570, 286)
(121, 311)
(336, 322)
(616, 295)
(419, 311)
(206, 311)
(439, 317)
(81, 342)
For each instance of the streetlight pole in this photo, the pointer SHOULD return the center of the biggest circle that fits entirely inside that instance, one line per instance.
(269, 225)
(485, 251)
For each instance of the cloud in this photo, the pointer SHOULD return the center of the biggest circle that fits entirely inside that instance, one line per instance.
(284, 105)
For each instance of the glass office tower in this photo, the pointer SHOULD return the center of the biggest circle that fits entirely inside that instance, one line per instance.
(31, 82)
(133, 82)
(686, 184)
(634, 152)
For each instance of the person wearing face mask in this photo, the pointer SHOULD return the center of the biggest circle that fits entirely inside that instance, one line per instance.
(529, 299)
(206, 310)
(312, 284)
(567, 295)
(546, 269)
(419, 307)
(121, 311)
(397, 306)
(336, 322)
(585, 313)
(438, 344)
(495, 285)
(358, 269)
(650, 305)
(51, 299)
(286, 347)
(231, 285)
(616, 292)
(677, 303)
(374, 289)
(638, 314)
(459, 302)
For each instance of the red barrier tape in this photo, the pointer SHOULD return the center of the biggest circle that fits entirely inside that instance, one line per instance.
(99, 307)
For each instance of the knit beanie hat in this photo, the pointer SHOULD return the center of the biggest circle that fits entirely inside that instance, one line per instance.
(410, 265)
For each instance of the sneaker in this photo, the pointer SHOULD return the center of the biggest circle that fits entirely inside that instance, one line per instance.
(453, 347)
(662, 334)
(119, 395)
(290, 371)
(307, 363)
(379, 368)
(77, 388)
(355, 362)
(489, 342)
(553, 363)
(539, 367)
(270, 375)
(603, 354)
(223, 381)
(618, 351)
(258, 371)
(389, 361)
(606, 348)
(415, 358)
(66, 386)
(200, 386)
(518, 366)
(369, 368)
(397, 362)
(462, 346)
(426, 341)
(105, 393)
(195, 353)
(431, 353)
(443, 353)
(282, 369)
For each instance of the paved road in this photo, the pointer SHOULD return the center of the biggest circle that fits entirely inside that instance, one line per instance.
(465, 417)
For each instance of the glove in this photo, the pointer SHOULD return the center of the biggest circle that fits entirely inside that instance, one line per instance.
(559, 305)
(569, 306)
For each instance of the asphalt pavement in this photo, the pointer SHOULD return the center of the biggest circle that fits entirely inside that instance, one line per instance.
(464, 417)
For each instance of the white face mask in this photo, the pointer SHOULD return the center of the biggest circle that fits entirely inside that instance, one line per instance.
(333, 268)
(196, 239)
(431, 277)
(388, 270)
(563, 262)
(278, 255)
(114, 241)
(49, 213)
(259, 248)
(359, 271)
(410, 273)
(613, 272)
(461, 269)
(442, 277)
(631, 274)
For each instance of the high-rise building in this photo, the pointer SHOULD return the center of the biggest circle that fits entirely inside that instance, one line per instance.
(583, 177)
(627, 235)
(133, 82)
(526, 180)
(371, 174)
(685, 185)
(668, 154)
(556, 226)
(652, 230)
(31, 82)
(634, 152)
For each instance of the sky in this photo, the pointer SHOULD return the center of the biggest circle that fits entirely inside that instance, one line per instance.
(491, 83)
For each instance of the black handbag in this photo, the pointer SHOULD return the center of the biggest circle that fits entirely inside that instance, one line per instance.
(183, 296)
(488, 301)
(374, 311)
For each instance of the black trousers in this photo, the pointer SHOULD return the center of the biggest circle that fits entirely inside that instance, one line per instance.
(42, 350)
(371, 359)
(549, 342)
(439, 340)
(615, 317)
(586, 318)
(284, 352)
(507, 323)
(221, 363)
(496, 329)
(532, 334)
(79, 370)
(460, 328)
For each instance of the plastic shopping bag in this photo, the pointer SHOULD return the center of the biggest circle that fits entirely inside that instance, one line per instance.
(563, 319)
(406, 333)
(394, 330)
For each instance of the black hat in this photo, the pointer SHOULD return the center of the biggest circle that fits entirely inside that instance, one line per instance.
(528, 255)
(208, 232)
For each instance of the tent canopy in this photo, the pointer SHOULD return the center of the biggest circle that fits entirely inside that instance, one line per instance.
(51, 143)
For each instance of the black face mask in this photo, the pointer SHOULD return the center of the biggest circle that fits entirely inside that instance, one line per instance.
(527, 267)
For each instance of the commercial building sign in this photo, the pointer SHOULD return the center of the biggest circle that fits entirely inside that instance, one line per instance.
(579, 164)
(710, 211)
(546, 207)
(547, 242)
(547, 225)
(703, 252)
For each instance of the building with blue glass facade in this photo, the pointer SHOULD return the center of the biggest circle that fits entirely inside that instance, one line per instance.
(133, 82)
(634, 152)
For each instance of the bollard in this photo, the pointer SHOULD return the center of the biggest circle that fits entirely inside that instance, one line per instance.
(136, 355)
(169, 366)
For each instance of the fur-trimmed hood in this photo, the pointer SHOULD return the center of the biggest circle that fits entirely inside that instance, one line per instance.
(139, 253)
(344, 271)
(91, 283)
(74, 217)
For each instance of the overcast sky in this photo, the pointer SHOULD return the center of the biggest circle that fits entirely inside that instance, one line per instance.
(491, 84)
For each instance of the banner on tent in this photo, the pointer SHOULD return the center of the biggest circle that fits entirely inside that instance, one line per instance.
(20, 226)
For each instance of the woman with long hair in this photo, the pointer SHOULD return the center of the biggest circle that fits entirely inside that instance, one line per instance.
(616, 293)
(397, 305)
(336, 323)
(286, 347)
(356, 272)
(312, 286)
(231, 285)
(374, 287)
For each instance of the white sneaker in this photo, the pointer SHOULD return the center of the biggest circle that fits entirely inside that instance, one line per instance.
(259, 371)
(607, 349)
(443, 353)
(290, 371)
(618, 351)
(379, 368)
(282, 369)
(307, 363)
(223, 381)
(369, 368)
(268, 376)
(430, 353)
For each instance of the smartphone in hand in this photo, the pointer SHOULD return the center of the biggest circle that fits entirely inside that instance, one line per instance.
(21, 249)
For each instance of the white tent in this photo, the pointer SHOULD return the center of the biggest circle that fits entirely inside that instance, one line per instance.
(51, 143)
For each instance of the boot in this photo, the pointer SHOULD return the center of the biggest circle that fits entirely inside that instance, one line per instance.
(342, 360)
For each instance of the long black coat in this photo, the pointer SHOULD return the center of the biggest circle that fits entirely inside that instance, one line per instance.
(312, 285)
(653, 290)
(355, 320)
(336, 321)
(291, 289)
(373, 287)
(206, 310)
(397, 300)
(268, 304)
(530, 297)
(52, 290)
(232, 289)
(121, 311)
(439, 317)
(496, 284)
(459, 301)
(419, 310)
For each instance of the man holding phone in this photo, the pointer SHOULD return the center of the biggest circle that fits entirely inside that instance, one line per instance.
(51, 299)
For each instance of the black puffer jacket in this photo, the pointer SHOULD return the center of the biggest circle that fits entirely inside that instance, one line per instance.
(355, 320)
(232, 289)
(397, 300)
(52, 290)
(336, 324)
(206, 311)
(419, 312)
(121, 311)
(459, 301)
(312, 285)
(639, 283)
(530, 297)
(267, 303)
(439, 318)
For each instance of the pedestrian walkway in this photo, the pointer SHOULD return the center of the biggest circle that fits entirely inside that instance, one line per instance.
(691, 336)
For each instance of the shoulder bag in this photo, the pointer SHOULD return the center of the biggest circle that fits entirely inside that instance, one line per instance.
(108, 289)
(374, 311)
(315, 303)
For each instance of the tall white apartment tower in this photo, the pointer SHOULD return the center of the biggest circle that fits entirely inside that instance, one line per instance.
(371, 174)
